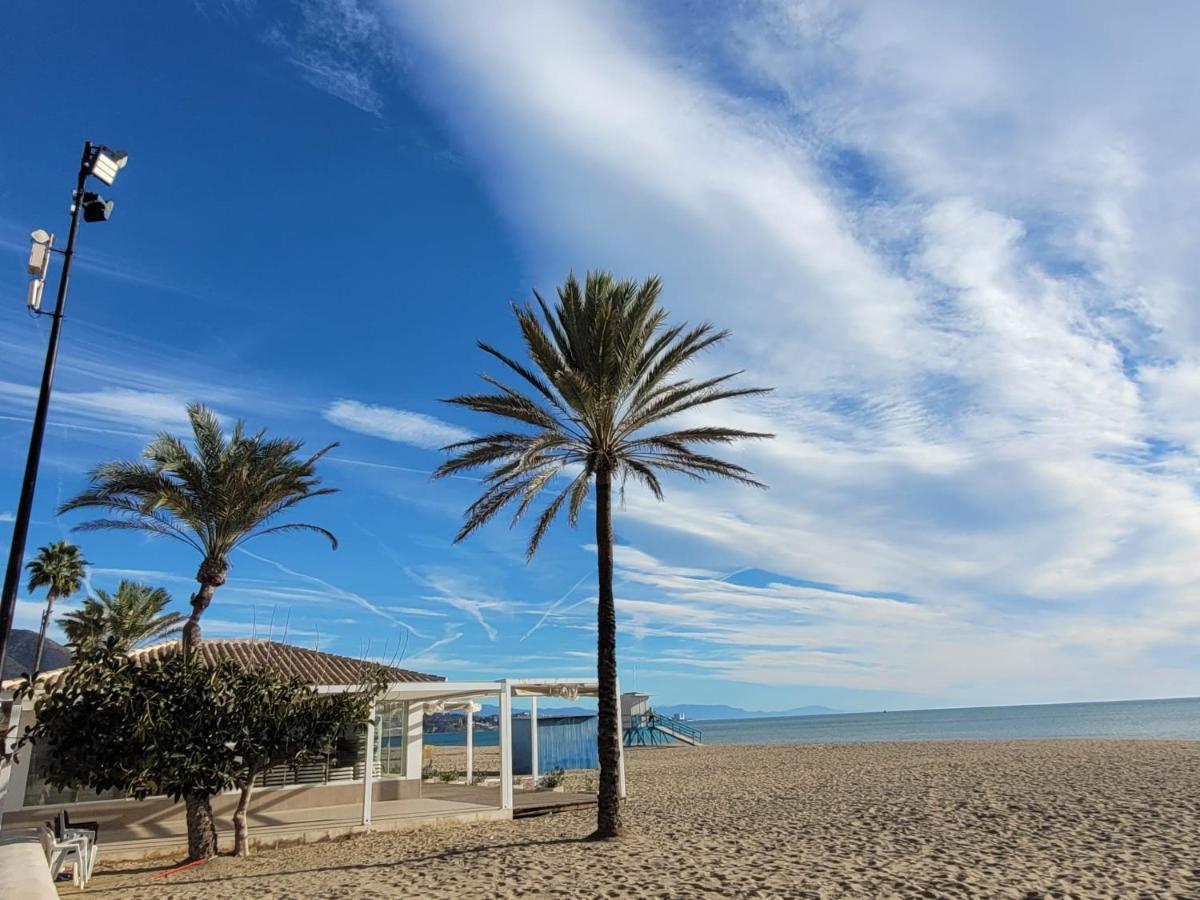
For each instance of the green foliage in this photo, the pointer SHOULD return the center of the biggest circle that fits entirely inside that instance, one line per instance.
(178, 727)
(58, 567)
(605, 368)
(448, 776)
(552, 779)
(282, 721)
(591, 406)
(213, 499)
(132, 616)
(429, 771)
(160, 728)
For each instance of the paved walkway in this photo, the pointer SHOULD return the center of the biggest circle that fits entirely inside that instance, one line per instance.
(276, 827)
(525, 803)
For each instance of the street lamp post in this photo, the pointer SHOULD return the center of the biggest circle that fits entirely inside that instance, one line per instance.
(104, 164)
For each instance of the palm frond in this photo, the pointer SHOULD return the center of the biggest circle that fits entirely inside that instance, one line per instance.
(603, 367)
(214, 493)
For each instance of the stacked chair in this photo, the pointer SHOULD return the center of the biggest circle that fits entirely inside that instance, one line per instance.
(75, 844)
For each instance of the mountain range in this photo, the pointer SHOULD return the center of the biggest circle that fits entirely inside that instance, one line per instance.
(698, 711)
(710, 712)
(22, 644)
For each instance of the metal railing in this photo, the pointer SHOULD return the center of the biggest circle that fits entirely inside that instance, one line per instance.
(674, 728)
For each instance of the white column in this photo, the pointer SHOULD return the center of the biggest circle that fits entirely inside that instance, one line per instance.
(533, 748)
(10, 740)
(620, 745)
(470, 745)
(369, 771)
(506, 767)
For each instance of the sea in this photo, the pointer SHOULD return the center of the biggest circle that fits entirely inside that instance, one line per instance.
(1120, 720)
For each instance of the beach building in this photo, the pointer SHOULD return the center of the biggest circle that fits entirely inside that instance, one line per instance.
(641, 726)
(370, 781)
(564, 742)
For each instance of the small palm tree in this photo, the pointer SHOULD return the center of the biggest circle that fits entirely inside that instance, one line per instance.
(214, 499)
(58, 567)
(605, 371)
(132, 616)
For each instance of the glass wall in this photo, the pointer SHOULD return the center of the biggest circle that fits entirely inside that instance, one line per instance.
(391, 728)
(39, 792)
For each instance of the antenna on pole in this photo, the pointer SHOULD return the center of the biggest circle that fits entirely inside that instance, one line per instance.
(254, 622)
(317, 640)
(287, 622)
(271, 629)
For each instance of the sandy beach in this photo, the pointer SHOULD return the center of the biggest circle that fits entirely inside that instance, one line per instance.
(1065, 819)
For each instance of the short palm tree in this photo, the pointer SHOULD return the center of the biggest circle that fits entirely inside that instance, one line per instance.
(214, 499)
(58, 567)
(132, 616)
(606, 369)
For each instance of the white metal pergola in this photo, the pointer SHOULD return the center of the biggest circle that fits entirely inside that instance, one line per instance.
(462, 695)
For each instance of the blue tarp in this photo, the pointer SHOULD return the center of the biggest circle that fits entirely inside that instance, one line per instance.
(564, 742)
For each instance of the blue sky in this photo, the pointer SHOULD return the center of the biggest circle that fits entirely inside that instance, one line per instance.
(958, 240)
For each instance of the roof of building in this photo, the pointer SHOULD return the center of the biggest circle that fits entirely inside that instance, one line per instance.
(315, 667)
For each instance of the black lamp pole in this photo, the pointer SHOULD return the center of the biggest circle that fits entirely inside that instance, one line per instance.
(16, 553)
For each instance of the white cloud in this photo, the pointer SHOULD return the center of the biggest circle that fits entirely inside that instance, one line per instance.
(7, 517)
(334, 592)
(392, 424)
(338, 46)
(958, 254)
(462, 592)
(149, 410)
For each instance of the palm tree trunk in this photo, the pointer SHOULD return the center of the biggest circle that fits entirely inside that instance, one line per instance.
(41, 641)
(211, 576)
(608, 808)
(241, 830)
(202, 830)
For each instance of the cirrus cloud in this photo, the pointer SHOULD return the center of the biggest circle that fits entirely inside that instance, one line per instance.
(400, 425)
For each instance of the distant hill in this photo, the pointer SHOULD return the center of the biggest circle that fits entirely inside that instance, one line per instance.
(22, 644)
(710, 712)
(543, 711)
(698, 711)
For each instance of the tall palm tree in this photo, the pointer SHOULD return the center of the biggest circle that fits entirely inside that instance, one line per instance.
(58, 567)
(214, 500)
(132, 616)
(605, 370)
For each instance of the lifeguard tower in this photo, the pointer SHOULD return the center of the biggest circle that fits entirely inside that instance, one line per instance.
(641, 726)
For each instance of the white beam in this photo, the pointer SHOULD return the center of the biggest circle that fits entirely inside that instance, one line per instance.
(506, 773)
(470, 745)
(533, 739)
(369, 772)
(620, 745)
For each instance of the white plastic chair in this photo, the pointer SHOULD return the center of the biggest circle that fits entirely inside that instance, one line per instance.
(75, 847)
(73, 852)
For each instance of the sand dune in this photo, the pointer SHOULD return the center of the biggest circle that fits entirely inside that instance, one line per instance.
(1078, 819)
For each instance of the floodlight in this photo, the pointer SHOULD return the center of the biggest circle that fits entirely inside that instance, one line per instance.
(39, 253)
(107, 163)
(96, 208)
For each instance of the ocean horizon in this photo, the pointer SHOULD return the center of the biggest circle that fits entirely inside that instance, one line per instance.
(1171, 719)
